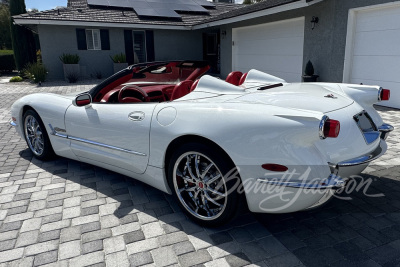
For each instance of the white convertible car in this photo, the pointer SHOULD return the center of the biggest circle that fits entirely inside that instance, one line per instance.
(214, 144)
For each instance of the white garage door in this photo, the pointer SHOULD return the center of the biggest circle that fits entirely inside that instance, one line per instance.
(375, 54)
(275, 48)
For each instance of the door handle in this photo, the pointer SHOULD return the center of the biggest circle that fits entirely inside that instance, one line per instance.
(136, 116)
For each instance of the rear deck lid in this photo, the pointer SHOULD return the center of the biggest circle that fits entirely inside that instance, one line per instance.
(299, 96)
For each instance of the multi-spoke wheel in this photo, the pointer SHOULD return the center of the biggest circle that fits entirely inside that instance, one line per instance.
(36, 136)
(198, 177)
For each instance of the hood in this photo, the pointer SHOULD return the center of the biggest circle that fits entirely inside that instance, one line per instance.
(71, 96)
(299, 96)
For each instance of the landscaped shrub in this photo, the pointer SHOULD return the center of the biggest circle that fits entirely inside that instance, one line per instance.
(72, 77)
(6, 52)
(119, 58)
(16, 79)
(39, 56)
(36, 72)
(70, 58)
(7, 62)
(309, 71)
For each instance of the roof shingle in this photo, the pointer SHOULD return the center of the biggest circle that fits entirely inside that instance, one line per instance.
(80, 11)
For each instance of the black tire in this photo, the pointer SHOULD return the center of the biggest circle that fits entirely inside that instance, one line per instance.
(228, 182)
(41, 148)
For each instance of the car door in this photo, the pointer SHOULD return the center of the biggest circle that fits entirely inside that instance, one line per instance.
(115, 134)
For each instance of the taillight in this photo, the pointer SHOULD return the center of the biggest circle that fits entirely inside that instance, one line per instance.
(329, 128)
(274, 167)
(384, 94)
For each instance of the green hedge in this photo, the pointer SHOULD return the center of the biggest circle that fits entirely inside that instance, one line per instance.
(6, 52)
(7, 62)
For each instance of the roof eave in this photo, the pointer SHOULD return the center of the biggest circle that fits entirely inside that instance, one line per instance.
(22, 21)
(256, 14)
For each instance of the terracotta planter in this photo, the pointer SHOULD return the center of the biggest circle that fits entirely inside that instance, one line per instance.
(310, 79)
(120, 66)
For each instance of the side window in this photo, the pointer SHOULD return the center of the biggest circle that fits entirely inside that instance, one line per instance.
(93, 39)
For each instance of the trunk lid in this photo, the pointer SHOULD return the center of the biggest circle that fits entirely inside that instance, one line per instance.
(299, 96)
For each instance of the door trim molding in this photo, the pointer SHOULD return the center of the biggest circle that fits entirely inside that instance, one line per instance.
(58, 134)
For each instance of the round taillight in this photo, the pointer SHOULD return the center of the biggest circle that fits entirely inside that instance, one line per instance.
(385, 94)
(329, 128)
(274, 167)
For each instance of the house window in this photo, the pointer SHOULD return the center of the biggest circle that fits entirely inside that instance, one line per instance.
(93, 39)
(139, 46)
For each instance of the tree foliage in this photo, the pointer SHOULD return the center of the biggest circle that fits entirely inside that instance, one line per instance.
(22, 38)
(5, 32)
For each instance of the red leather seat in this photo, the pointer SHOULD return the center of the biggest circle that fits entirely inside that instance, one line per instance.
(242, 79)
(181, 89)
(234, 77)
(194, 85)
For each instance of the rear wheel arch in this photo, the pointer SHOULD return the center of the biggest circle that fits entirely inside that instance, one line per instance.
(207, 151)
(181, 140)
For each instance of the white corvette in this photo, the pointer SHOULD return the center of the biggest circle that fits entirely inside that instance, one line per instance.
(214, 144)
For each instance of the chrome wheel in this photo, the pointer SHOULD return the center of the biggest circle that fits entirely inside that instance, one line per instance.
(34, 135)
(200, 186)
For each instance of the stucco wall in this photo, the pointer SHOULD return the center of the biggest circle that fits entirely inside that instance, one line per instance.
(324, 46)
(56, 40)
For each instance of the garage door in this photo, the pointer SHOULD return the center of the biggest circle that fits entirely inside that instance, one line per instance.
(275, 48)
(375, 54)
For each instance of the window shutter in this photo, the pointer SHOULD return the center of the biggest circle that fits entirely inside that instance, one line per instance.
(105, 39)
(150, 46)
(81, 38)
(129, 46)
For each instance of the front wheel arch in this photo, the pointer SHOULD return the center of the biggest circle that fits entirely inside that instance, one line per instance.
(48, 152)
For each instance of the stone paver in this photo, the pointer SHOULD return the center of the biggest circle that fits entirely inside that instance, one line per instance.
(67, 213)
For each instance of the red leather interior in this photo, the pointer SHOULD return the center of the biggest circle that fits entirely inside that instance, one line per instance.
(130, 100)
(197, 73)
(194, 85)
(242, 79)
(112, 85)
(234, 77)
(181, 89)
(132, 91)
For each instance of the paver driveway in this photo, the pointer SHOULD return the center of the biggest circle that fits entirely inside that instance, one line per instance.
(64, 213)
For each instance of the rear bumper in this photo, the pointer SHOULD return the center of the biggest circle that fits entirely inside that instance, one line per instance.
(356, 165)
(385, 129)
(295, 196)
(332, 182)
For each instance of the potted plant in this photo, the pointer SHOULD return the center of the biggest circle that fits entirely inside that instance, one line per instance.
(309, 76)
(120, 62)
(70, 65)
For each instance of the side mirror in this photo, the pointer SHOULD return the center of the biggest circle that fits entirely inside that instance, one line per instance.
(82, 100)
